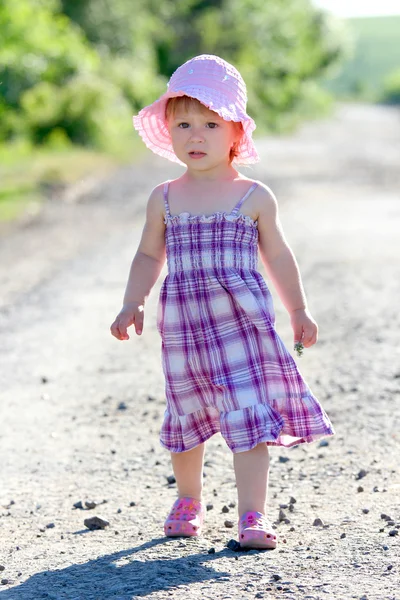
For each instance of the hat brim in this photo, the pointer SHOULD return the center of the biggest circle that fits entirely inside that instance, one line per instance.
(152, 127)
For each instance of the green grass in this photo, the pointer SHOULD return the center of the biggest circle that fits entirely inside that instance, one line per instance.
(26, 172)
(376, 55)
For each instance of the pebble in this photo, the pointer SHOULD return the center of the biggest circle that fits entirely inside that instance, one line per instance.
(365, 511)
(362, 473)
(90, 504)
(342, 536)
(5, 581)
(229, 524)
(360, 489)
(95, 523)
(122, 406)
(232, 504)
(2, 567)
(211, 551)
(323, 444)
(78, 504)
(393, 532)
(50, 525)
(292, 500)
(284, 459)
(132, 503)
(318, 522)
(225, 509)
(276, 577)
(233, 545)
(209, 506)
(171, 479)
(282, 515)
(385, 517)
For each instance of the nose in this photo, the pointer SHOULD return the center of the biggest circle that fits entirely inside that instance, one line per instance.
(196, 135)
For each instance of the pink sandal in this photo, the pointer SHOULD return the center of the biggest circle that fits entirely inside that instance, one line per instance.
(255, 531)
(185, 519)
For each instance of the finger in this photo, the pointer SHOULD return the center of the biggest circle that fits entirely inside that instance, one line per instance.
(139, 321)
(309, 337)
(298, 335)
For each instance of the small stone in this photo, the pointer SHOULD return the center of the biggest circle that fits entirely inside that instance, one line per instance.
(211, 551)
(229, 524)
(360, 489)
(292, 500)
(132, 503)
(95, 523)
(393, 532)
(342, 536)
(276, 577)
(5, 581)
(283, 506)
(50, 525)
(119, 511)
(78, 504)
(389, 567)
(323, 444)
(122, 406)
(284, 459)
(385, 547)
(385, 517)
(2, 567)
(362, 473)
(113, 451)
(90, 504)
(365, 511)
(292, 529)
(318, 522)
(44, 379)
(233, 545)
(209, 506)
(225, 509)
(232, 504)
(282, 515)
(171, 479)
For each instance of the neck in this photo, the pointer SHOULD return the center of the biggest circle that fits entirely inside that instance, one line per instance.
(225, 173)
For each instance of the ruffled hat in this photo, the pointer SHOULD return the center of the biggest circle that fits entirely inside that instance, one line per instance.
(217, 85)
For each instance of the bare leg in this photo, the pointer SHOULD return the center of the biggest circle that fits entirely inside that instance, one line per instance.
(188, 471)
(251, 470)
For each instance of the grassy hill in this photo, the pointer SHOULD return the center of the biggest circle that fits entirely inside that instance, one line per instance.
(376, 54)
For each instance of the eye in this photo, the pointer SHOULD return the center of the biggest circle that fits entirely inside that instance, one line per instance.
(212, 125)
(183, 125)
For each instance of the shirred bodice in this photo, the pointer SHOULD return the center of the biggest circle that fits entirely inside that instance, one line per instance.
(217, 241)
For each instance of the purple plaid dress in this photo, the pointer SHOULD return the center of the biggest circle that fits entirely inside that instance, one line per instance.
(225, 367)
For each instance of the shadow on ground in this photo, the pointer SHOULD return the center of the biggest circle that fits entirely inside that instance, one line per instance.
(120, 576)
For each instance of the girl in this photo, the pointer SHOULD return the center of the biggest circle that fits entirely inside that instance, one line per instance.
(225, 367)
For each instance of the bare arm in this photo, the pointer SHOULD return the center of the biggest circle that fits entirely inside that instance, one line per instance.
(145, 268)
(281, 266)
(276, 255)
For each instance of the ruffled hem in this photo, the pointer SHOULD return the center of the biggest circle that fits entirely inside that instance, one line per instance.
(185, 217)
(283, 422)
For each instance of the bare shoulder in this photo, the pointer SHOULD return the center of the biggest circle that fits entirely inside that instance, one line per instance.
(155, 203)
(264, 201)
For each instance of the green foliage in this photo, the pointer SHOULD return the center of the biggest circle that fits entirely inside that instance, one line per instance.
(391, 88)
(375, 55)
(74, 71)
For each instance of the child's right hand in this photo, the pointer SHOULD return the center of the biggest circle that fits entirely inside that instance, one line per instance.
(130, 314)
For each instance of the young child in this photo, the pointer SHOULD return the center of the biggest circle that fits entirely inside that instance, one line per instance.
(225, 367)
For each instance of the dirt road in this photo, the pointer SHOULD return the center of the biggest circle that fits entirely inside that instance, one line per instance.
(80, 411)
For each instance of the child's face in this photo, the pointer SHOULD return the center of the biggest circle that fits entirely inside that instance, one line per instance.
(200, 137)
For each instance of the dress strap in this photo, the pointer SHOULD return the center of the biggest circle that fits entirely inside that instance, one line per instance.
(166, 187)
(247, 194)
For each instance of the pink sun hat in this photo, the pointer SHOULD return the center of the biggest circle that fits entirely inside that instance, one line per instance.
(217, 85)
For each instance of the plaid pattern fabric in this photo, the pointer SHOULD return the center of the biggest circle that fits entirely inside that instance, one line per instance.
(226, 369)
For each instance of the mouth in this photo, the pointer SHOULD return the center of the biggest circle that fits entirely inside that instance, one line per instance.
(196, 154)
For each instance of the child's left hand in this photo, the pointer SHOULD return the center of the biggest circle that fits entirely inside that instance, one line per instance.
(304, 327)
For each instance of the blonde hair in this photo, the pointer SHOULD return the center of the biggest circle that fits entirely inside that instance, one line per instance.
(188, 104)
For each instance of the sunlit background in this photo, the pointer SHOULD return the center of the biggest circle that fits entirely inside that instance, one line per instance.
(70, 84)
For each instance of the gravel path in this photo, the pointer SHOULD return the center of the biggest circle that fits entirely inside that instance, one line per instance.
(80, 411)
